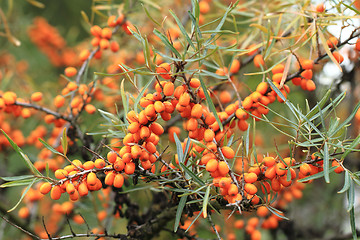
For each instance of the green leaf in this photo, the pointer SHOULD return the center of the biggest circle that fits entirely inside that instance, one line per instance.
(351, 196)
(164, 39)
(192, 175)
(206, 201)
(16, 178)
(23, 155)
(64, 142)
(137, 100)
(348, 120)
(23, 195)
(149, 16)
(179, 149)
(352, 224)
(326, 163)
(50, 147)
(319, 105)
(276, 212)
(186, 149)
(182, 29)
(352, 146)
(19, 182)
(346, 182)
(179, 211)
(317, 175)
(124, 101)
(210, 103)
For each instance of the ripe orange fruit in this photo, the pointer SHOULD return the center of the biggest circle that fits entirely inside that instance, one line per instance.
(164, 70)
(223, 168)
(250, 188)
(55, 193)
(91, 178)
(212, 165)
(250, 177)
(259, 61)
(118, 180)
(228, 152)
(45, 188)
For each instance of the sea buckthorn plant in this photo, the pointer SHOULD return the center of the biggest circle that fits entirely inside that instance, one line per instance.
(209, 119)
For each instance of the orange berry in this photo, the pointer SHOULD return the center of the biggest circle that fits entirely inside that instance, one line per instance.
(163, 70)
(225, 182)
(104, 43)
(235, 66)
(223, 168)
(204, 7)
(145, 132)
(119, 165)
(243, 125)
(70, 189)
(99, 163)
(106, 33)
(118, 180)
(239, 224)
(194, 83)
(339, 58)
(262, 88)
(184, 99)
(305, 169)
(262, 211)
(109, 179)
(90, 109)
(9, 98)
(332, 42)
(250, 177)
(233, 190)
(280, 169)
(209, 135)
(159, 106)
(196, 111)
(70, 71)
(61, 173)
(210, 119)
(250, 188)
(88, 165)
(228, 152)
(307, 64)
(310, 85)
(278, 69)
(111, 22)
(95, 31)
(211, 165)
(114, 46)
(277, 77)
(84, 54)
(241, 114)
(83, 189)
(270, 172)
(357, 45)
(259, 61)
(320, 8)
(91, 178)
(307, 74)
(168, 89)
(225, 97)
(36, 96)
(129, 168)
(101, 215)
(339, 169)
(45, 188)
(59, 101)
(55, 193)
(156, 128)
(24, 212)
